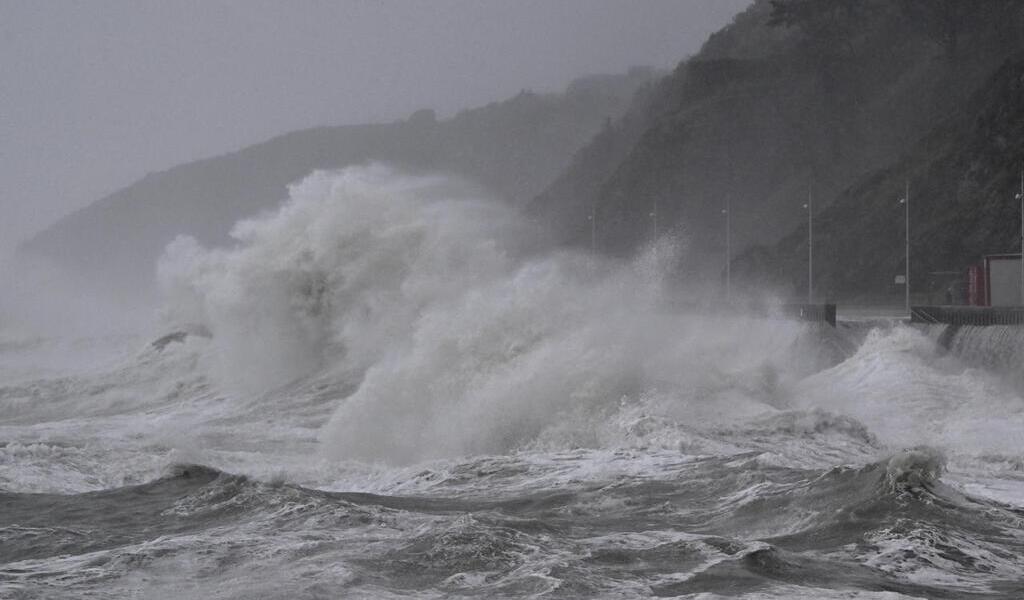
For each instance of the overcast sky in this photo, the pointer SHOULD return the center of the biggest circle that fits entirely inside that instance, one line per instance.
(93, 95)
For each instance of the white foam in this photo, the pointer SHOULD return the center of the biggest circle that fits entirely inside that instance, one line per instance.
(464, 344)
(909, 394)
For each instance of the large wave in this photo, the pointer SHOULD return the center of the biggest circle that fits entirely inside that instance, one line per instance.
(457, 339)
(390, 318)
(909, 392)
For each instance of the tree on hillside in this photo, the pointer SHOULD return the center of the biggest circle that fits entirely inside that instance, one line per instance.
(829, 25)
(949, 21)
(828, 31)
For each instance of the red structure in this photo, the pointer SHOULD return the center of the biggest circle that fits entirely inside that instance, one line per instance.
(977, 290)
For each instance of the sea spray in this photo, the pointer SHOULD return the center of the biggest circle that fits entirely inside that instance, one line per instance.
(909, 392)
(342, 269)
(588, 439)
(462, 343)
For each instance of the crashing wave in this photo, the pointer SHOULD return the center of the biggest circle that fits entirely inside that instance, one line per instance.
(462, 342)
(914, 468)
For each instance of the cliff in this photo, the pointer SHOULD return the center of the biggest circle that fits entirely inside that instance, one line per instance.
(963, 176)
(792, 95)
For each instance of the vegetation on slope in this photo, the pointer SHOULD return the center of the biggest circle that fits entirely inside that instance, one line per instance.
(794, 95)
(963, 179)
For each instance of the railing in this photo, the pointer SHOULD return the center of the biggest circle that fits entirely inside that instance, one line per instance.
(815, 313)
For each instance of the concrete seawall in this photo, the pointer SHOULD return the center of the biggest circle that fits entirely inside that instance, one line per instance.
(968, 315)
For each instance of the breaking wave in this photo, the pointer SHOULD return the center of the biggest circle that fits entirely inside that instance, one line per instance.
(458, 339)
(384, 389)
(438, 332)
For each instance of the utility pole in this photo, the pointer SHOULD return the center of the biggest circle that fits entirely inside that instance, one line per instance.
(810, 245)
(728, 249)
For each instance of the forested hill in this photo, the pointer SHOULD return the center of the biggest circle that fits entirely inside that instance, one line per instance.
(793, 95)
(963, 180)
(513, 148)
(841, 99)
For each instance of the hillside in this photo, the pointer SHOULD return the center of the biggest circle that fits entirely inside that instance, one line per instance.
(793, 94)
(513, 148)
(963, 180)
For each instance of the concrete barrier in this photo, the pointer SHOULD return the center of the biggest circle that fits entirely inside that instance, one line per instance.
(968, 315)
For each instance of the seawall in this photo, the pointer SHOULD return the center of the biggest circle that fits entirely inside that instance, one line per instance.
(978, 316)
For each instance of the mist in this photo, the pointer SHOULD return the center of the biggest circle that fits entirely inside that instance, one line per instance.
(95, 96)
(461, 299)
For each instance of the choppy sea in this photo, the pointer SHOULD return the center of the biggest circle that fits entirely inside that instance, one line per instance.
(373, 396)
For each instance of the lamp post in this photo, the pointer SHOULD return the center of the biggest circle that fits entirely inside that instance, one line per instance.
(654, 221)
(654, 228)
(1020, 196)
(592, 217)
(905, 201)
(728, 250)
(810, 245)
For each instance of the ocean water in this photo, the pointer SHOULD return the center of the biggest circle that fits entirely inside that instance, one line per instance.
(385, 390)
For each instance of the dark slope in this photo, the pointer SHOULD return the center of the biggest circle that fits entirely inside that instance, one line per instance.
(963, 178)
(514, 148)
(762, 112)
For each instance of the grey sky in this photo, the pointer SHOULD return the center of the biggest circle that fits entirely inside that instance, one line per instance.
(93, 95)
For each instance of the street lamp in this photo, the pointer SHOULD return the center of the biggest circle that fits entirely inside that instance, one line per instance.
(728, 250)
(593, 229)
(810, 245)
(654, 226)
(905, 201)
(1020, 196)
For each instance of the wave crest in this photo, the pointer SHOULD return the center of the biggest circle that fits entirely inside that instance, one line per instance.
(462, 343)
(914, 468)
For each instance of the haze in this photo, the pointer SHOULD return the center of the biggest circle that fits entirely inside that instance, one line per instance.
(97, 94)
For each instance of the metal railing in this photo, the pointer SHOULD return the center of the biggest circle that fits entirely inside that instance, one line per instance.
(815, 313)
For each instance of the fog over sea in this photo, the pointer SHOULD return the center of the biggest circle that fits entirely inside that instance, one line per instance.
(385, 389)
